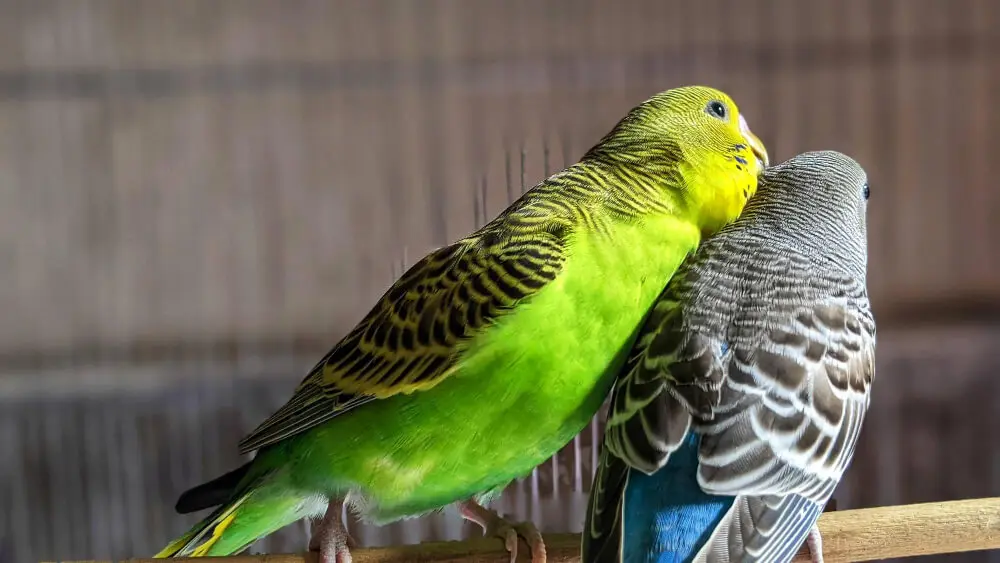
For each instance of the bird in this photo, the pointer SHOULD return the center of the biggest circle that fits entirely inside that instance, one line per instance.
(491, 353)
(741, 403)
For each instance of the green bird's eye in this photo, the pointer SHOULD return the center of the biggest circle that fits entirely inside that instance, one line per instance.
(866, 191)
(717, 109)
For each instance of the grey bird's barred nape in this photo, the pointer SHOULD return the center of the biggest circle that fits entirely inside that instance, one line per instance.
(827, 190)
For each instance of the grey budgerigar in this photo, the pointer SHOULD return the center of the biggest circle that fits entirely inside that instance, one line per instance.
(741, 403)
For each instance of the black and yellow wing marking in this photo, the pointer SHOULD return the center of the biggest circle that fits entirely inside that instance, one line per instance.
(408, 341)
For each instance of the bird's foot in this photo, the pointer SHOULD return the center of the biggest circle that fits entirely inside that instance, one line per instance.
(495, 525)
(815, 543)
(330, 537)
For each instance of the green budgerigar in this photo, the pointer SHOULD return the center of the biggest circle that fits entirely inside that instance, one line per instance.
(742, 401)
(490, 354)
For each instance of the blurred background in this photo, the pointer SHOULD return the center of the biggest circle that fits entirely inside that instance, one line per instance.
(197, 199)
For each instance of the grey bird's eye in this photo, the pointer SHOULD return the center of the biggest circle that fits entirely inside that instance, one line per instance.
(866, 191)
(716, 108)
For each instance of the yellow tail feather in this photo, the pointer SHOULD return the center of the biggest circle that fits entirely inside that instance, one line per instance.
(216, 523)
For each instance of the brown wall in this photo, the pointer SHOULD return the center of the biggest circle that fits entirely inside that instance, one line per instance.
(197, 198)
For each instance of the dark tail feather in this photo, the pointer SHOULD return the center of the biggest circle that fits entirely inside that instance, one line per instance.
(212, 493)
(603, 526)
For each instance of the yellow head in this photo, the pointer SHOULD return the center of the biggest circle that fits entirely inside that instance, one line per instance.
(695, 143)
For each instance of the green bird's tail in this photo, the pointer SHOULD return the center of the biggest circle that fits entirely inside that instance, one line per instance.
(255, 509)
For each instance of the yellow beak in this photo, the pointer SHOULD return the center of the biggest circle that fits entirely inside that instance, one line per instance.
(755, 144)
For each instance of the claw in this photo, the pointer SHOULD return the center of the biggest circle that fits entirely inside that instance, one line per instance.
(495, 525)
(330, 537)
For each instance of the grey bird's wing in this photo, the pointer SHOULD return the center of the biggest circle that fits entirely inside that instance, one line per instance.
(772, 369)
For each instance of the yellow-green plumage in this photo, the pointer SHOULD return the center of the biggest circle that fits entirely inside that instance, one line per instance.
(490, 354)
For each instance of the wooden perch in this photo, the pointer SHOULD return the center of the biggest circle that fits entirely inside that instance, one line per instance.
(851, 535)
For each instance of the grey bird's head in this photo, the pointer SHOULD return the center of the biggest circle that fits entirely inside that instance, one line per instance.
(818, 200)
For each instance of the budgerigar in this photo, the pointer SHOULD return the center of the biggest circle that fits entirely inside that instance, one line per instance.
(490, 354)
(740, 405)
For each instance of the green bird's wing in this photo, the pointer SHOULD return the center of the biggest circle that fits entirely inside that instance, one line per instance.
(408, 341)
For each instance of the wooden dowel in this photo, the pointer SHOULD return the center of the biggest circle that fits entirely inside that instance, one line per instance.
(866, 534)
